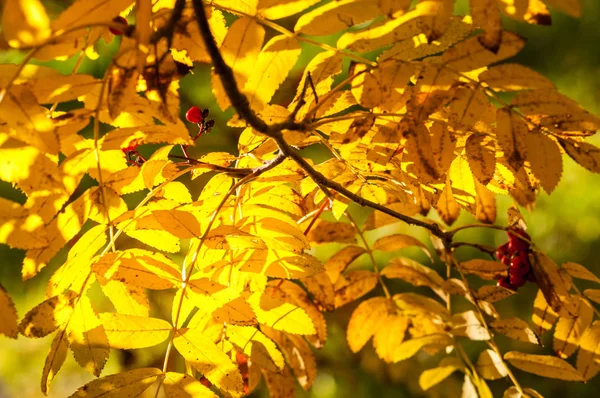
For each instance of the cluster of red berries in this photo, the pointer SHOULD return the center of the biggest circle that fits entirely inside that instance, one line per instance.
(120, 20)
(515, 255)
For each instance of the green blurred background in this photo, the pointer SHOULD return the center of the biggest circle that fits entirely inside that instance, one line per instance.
(566, 225)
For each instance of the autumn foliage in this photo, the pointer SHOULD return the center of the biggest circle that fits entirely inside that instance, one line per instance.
(426, 118)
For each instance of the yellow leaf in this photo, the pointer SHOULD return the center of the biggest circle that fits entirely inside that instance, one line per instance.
(25, 23)
(387, 338)
(447, 207)
(391, 243)
(127, 299)
(543, 365)
(470, 54)
(129, 331)
(8, 315)
(543, 315)
(569, 330)
(156, 134)
(544, 102)
(485, 202)
(326, 232)
(292, 293)
(485, 269)
(418, 146)
(179, 385)
(589, 352)
(341, 260)
(545, 159)
(140, 268)
(469, 324)
(209, 359)
(280, 385)
(131, 383)
(592, 294)
(553, 286)
(48, 316)
(87, 338)
(74, 272)
(514, 77)
(280, 315)
(515, 328)
(482, 158)
(409, 348)
(491, 293)
(277, 9)
(583, 153)
(54, 360)
(20, 228)
(298, 355)
(415, 274)
(161, 240)
(487, 15)
(366, 319)
(446, 367)
(273, 65)
(321, 288)
(84, 13)
(258, 347)
(240, 50)
(512, 132)
(339, 15)
(580, 272)
(224, 303)
(468, 107)
(353, 285)
(62, 88)
(490, 365)
(188, 45)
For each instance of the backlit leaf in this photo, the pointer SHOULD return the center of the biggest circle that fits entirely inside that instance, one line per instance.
(129, 331)
(543, 365)
(131, 383)
(490, 365)
(8, 315)
(366, 319)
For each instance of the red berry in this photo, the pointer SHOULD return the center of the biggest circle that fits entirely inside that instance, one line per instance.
(115, 31)
(506, 260)
(520, 264)
(194, 115)
(505, 283)
(517, 280)
(502, 251)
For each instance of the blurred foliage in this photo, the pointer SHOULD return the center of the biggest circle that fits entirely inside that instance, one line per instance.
(565, 225)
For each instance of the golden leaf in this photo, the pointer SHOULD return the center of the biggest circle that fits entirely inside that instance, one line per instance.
(387, 338)
(491, 293)
(530, 11)
(490, 365)
(543, 365)
(469, 324)
(179, 385)
(130, 331)
(48, 316)
(127, 299)
(8, 315)
(485, 202)
(543, 316)
(240, 49)
(445, 368)
(515, 328)
(514, 77)
(281, 315)
(277, 9)
(209, 359)
(512, 132)
(258, 347)
(409, 348)
(353, 285)
(552, 285)
(485, 269)
(415, 274)
(482, 158)
(589, 352)
(325, 232)
(570, 329)
(392, 243)
(25, 23)
(580, 272)
(54, 360)
(366, 319)
(447, 207)
(545, 159)
(131, 383)
(583, 153)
